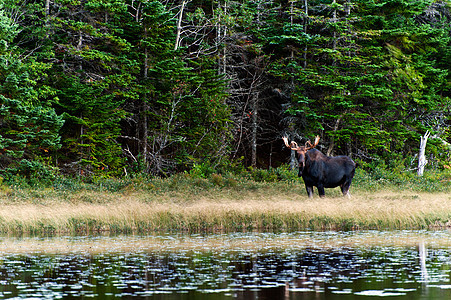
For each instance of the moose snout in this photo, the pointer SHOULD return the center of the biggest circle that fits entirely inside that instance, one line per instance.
(301, 168)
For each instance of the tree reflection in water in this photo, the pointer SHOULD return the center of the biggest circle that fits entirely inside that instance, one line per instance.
(312, 271)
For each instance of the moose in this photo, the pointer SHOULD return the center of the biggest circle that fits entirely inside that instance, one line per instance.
(322, 171)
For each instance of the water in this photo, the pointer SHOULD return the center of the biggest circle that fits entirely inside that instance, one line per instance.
(299, 265)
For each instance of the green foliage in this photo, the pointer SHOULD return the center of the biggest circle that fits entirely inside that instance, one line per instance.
(29, 126)
(282, 173)
(379, 177)
(203, 170)
(29, 174)
(371, 77)
(218, 174)
(375, 178)
(188, 111)
(103, 83)
(92, 126)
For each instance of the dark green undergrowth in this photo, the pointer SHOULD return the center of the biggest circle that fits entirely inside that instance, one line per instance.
(204, 182)
(201, 179)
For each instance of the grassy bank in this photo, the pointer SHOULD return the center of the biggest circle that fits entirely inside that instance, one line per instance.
(224, 202)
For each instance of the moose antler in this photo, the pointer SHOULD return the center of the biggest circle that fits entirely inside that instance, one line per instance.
(309, 145)
(292, 145)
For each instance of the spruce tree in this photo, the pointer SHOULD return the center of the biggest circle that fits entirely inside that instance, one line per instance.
(29, 126)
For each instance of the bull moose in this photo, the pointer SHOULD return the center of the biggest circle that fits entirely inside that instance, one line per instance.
(322, 171)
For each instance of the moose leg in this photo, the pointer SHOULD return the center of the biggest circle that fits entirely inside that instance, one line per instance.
(345, 188)
(321, 191)
(309, 189)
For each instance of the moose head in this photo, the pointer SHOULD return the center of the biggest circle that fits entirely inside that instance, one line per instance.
(301, 150)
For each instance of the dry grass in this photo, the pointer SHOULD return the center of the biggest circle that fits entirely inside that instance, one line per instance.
(227, 209)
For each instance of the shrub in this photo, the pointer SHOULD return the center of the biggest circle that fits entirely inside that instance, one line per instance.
(217, 179)
(282, 173)
(29, 173)
(203, 170)
(378, 176)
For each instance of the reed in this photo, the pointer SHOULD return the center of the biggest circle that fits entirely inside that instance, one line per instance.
(255, 200)
(265, 206)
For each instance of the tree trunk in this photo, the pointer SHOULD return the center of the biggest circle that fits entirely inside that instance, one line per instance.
(145, 109)
(179, 26)
(332, 140)
(254, 127)
(422, 161)
(224, 50)
(145, 137)
(305, 31)
(47, 8)
(221, 33)
(334, 20)
(292, 50)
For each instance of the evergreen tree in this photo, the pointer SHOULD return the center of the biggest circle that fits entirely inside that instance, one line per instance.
(29, 127)
(404, 84)
(154, 86)
(179, 113)
(90, 75)
(371, 77)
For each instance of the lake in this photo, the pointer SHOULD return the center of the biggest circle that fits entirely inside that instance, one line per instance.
(244, 265)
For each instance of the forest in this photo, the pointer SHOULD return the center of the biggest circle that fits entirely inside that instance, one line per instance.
(112, 88)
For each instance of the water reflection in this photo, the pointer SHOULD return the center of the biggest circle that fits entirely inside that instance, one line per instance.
(422, 252)
(302, 265)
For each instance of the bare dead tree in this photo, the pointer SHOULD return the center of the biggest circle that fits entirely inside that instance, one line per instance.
(422, 161)
(179, 25)
(195, 27)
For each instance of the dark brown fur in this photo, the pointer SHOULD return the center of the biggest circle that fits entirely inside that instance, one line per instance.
(324, 171)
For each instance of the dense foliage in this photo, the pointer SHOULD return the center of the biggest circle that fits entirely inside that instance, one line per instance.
(118, 87)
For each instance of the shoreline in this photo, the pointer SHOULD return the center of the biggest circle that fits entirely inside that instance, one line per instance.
(245, 241)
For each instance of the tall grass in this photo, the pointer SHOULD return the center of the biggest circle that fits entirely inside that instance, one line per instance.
(258, 200)
(274, 212)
